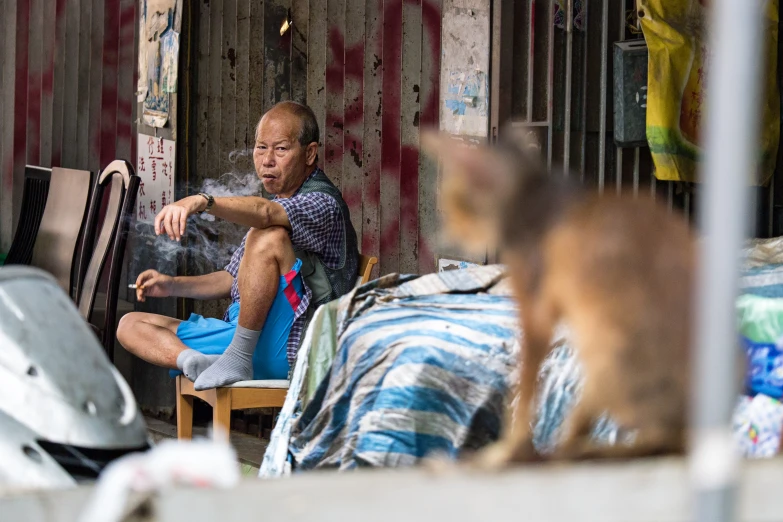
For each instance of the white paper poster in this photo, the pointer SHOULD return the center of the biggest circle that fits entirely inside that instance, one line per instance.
(155, 167)
(169, 56)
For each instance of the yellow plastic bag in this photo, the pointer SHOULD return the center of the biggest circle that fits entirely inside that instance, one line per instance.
(679, 59)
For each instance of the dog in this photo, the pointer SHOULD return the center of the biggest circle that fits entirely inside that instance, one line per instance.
(618, 271)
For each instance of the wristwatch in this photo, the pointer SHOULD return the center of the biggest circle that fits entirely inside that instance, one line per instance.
(210, 200)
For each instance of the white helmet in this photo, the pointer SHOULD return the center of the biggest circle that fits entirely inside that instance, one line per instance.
(64, 409)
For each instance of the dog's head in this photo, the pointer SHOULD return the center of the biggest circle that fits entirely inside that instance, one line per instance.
(479, 183)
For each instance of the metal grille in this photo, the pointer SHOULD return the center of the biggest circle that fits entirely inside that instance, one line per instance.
(561, 91)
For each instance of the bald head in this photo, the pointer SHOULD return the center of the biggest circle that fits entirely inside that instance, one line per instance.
(308, 126)
(286, 149)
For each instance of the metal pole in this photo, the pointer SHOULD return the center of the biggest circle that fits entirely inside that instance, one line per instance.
(531, 59)
(569, 71)
(585, 47)
(731, 145)
(619, 154)
(602, 101)
(653, 185)
(550, 93)
(636, 172)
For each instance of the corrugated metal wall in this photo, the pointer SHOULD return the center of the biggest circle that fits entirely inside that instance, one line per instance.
(67, 87)
(369, 69)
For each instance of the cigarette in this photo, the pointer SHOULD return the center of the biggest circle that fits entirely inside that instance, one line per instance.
(133, 286)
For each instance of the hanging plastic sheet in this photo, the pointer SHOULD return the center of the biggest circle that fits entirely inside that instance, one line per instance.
(679, 63)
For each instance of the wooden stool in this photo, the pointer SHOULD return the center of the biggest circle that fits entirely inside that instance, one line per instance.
(238, 396)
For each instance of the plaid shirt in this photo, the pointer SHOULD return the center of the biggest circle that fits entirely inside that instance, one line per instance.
(316, 226)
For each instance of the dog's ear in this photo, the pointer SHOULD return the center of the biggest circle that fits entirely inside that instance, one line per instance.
(523, 140)
(484, 168)
(476, 181)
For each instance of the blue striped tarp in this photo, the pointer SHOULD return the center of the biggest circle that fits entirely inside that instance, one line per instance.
(413, 375)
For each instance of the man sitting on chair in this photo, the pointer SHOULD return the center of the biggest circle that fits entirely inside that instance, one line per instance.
(304, 232)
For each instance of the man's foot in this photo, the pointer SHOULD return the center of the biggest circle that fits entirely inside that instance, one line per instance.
(228, 369)
(236, 363)
(192, 363)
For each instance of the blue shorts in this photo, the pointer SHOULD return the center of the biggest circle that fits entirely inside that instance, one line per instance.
(212, 336)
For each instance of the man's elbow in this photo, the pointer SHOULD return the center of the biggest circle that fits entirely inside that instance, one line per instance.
(263, 214)
(227, 281)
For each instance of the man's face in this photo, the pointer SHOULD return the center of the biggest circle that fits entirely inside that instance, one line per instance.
(280, 161)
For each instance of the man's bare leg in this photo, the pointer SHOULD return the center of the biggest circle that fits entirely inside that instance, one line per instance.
(154, 338)
(268, 255)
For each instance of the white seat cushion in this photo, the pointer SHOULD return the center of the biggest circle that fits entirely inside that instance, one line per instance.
(272, 384)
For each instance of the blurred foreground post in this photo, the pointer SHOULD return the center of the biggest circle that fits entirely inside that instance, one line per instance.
(731, 134)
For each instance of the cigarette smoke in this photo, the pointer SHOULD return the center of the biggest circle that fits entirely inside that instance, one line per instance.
(208, 243)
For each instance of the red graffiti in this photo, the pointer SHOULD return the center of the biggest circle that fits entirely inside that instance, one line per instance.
(39, 120)
(125, 99)
(398, 161)
(47, 83)
(18, 159)
(34, 118)
(353, 63)
(105, 140)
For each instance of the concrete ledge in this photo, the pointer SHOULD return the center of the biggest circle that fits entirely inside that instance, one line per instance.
(650, 491)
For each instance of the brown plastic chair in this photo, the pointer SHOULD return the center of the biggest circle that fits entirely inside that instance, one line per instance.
(123, 184)
(241, 395)
(35, 192)
(58, 241)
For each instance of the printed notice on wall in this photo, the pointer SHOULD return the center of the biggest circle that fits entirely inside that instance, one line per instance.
(159, 23)
(155, 167)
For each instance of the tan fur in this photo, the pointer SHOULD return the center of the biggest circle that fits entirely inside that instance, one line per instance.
(618, 271)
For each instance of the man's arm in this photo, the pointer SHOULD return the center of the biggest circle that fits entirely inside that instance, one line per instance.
(152, 283)
(250, 211)
(216, 285)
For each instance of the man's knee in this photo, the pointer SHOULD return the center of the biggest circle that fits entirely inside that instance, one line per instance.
(127, 324)
(130, 323)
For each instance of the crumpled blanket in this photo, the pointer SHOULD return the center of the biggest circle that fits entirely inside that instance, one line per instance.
(420, 369)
